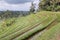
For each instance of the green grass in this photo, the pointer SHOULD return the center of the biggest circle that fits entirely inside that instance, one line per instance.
(39, 27)
(47, 35)
(45, 23)
(22, 23)
(50, 34)
(26, 24)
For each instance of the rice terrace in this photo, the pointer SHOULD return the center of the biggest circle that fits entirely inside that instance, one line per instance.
(42, 23)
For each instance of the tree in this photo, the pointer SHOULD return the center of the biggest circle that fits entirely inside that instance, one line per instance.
(32, 8)
(7, 14)
(49, 5)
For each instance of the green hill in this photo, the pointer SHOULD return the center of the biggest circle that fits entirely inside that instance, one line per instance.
(23, 28)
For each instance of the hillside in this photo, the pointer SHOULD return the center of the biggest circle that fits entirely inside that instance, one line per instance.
(43, 25)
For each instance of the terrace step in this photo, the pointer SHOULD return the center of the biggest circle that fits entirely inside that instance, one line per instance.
(12, 31)
(36, 29)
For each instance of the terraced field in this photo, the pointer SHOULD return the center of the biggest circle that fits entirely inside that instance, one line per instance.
(39, 26)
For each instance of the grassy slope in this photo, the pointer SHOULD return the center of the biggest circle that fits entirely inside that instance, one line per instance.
(23, 22)
(51, 33)
(26, 22)
(39, 27)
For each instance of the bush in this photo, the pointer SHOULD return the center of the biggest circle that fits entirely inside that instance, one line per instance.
(8, 22)
(58, 8)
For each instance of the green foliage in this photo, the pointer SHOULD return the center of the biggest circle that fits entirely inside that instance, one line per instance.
(7, 14)
(8, 22)
(58, 8)
(49, 5)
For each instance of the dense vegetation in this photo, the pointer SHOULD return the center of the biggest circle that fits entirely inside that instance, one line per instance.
(11, 14)
(49, 5)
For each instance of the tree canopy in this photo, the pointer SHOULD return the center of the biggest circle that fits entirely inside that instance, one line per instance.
(49, 5)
